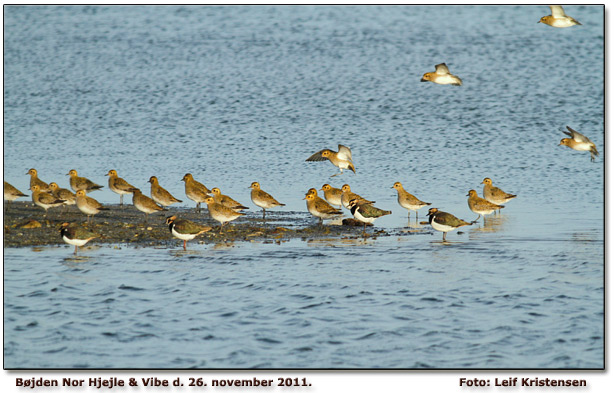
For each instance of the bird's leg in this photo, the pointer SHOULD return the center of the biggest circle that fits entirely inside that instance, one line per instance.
(337, 174)
(76, 250)
(184, 245)
(444, 236)
(263, 212)
(197, 207)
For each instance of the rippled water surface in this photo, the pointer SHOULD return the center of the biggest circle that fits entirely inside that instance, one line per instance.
(241, 94)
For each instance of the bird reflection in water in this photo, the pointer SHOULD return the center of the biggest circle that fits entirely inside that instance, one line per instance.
(493, 223)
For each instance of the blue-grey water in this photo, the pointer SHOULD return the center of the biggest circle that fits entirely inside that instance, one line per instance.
(241, 94)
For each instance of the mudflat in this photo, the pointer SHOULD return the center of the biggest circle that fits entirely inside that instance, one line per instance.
(26, 224)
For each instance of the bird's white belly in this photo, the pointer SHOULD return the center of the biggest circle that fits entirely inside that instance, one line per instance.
(441, 227)
(482, 212)
(408, 205)
(75, 242)
(562, 22)
(342, 164)
(182, 236)
(445, 79)
(582, 146)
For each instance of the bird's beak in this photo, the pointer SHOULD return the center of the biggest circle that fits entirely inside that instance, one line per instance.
(423, 80)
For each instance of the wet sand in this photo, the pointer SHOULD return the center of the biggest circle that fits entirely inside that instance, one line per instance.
(25, 224)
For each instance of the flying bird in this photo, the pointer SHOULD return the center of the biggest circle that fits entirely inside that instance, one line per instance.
(342, 159)
(579, 142)
(558, 18)
(442, 76)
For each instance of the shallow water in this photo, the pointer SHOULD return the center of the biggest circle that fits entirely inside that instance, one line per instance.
(241, 94)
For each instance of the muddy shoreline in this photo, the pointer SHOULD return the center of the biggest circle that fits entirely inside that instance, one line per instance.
(25, 225)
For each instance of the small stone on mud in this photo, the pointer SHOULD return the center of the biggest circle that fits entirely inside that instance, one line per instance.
(29, 224)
